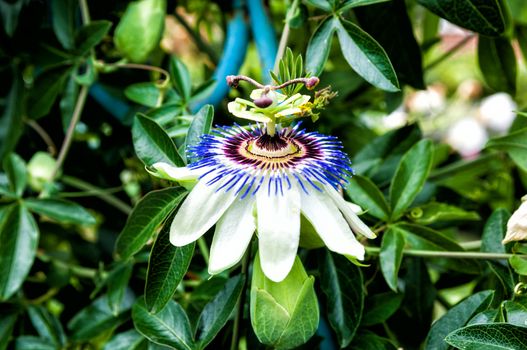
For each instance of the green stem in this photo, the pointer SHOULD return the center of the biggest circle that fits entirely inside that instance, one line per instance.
(284, 37)
(79, 106)
(98, 192)
(449, 53)
(77, 270)
(241, 303)
(93, 193)
(447, 254)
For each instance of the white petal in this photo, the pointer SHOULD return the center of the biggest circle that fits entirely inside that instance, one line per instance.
(200, 210)
(278, 231)
(232, 236)
(353, 220)
(170, 172)
(330, 225)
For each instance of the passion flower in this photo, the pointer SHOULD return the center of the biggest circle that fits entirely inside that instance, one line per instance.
(262, 179)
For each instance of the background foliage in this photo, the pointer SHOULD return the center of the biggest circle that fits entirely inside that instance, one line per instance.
(92, 95)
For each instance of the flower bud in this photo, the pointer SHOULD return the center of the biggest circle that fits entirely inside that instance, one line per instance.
(40, 170)
(517, 224)
(284, 315)
(140, 29)
(312, 82)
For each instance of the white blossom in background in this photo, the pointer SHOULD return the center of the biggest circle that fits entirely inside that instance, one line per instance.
(397, 119)
(467, 136)
(497, 112)
(517, 224)
(428, 101)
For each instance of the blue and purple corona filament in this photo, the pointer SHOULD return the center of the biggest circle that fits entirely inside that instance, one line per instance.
(252, 159)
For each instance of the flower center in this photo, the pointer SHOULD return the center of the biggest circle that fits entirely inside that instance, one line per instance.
(268, 152)
(272, 147)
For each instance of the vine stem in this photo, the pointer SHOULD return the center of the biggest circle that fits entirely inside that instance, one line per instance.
(451, 255)
(79, 106)
(52, 149)
(450, 52)
(98, 192)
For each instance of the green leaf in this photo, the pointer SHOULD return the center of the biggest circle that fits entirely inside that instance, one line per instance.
(418, 304)
(19, 237)
(515, 144)
(319, 46)
(349, 4)
(140, 29)
(63, 21)
(391, 256)
(129, 340)
(45, 91)
(440, 212)
(12, 121)
(489, 336)
(145, 218)
(117, 283)
(367, 58)
(146, 94)
(410, 176)
(366, 340)
(180, 77)
(519, 265)
(9, 13)
(16, 172)
(516, 313)
(47, 325)
(482, 16)
(90, 35)
(497, 63)
(152, 144)
(365, 193)
(456, 318)
(200, 125)
(390, 25)
(321, 4)
(341, 282)
(97, 319)
(61, 210)
(169, 327)
(8, 317)
(521, 35)
(494, 231)
(29, 342)
(380, 307)
(217, 312)
(167, 266)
